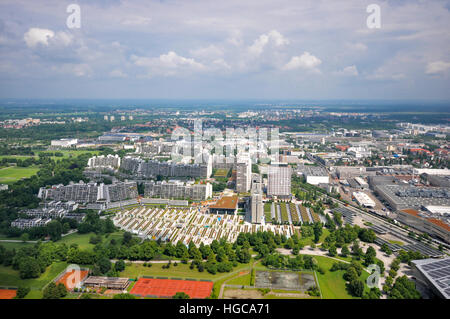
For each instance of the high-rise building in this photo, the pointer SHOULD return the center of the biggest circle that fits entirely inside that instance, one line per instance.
(243, 175)
(279, 180)
(256, 204)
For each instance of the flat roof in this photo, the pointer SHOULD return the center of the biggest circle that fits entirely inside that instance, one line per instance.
(437, 271)
(226, 202)
(439, 223)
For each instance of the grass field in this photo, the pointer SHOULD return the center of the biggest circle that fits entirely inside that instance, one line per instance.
(83, 239)
(221, 173)
(180, 271)
(307, 241)
(331, 283)
(267, 213)
(10, 246)
(240, 280)
(66, 154)
(12, 174)
(11, 278)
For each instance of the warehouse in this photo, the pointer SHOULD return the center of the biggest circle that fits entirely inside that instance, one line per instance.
(315, 175)
(433, 276)
(406, 196)
(364, 200)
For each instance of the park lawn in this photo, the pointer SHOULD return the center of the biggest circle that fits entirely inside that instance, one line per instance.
(12, 174)
(69, 153)
(307, 241)
(34, 294)
(83, 239)
(180, 271)
(240, 280)
(267, 211)
(332, 285)
(22, 157)
(11, 278)
(11, 246)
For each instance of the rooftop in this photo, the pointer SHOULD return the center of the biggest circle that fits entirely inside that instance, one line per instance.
(226, 202)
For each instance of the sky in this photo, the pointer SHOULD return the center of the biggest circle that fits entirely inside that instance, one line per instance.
(181, 49)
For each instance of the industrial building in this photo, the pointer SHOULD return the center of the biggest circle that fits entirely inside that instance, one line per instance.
(364, 200)
(433, 277)
(64, 143)
(406, 196)
(315, 175)
(423, 222)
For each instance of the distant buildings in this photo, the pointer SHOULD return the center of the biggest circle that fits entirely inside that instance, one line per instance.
(109, 161)
(177, 189)
(359, 152)
(153, 168)
(64, 143)
(279, 180)
(84, 193)
(315, 175)
(406, 196)
(22, 223)
(364, 200)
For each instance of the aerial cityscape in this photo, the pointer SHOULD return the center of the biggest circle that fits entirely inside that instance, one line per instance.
(232, 169)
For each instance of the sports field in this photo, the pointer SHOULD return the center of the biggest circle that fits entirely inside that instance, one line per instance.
(167, 288)
(7, 293)
(12, 174)
(72, 278)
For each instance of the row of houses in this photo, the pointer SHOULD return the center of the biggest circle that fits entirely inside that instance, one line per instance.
(188, 224)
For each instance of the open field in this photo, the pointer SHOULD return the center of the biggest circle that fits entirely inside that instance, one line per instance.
(10, 246)
(307, 241)
(332, 285)
(83, 239)
(180, 271)
(12, 174)
(11, 278)
(267, 212)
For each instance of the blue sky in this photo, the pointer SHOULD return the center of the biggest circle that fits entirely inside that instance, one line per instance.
(225, 49)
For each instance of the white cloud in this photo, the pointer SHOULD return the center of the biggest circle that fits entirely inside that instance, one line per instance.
(305, 61)
(357, 46)
(34, 36)
(437, 67)
(117, 74)
(350, 70)
(274, 37)
(79, 70)
(209, 52)
(167, 64)
(136, 20)
(46, 37)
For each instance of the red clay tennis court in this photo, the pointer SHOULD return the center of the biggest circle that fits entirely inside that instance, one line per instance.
(74, 282)
(7, 293)
(169, 287)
